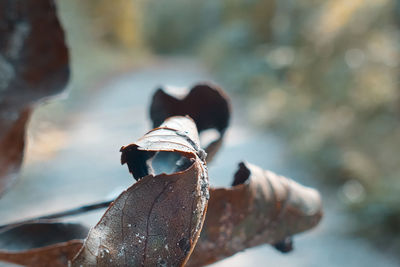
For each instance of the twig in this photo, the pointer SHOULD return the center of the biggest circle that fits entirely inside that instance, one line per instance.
(70, 212)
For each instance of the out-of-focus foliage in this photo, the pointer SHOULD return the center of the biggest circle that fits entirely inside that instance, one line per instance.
(323, 74)
(116, 21)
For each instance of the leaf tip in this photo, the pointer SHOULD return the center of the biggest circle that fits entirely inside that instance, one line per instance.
(241, 175)
(284, 246)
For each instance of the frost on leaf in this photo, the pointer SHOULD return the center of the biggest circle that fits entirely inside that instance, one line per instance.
(260, 208)
(157, 221)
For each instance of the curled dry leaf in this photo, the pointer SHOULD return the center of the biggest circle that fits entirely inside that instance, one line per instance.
(260, 208)
(157, 221)
(56, 255)
(206, 104)
(42, 243)
(33, 65)
(177, 134)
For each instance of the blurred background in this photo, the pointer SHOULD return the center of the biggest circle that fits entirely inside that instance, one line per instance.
(316, 83)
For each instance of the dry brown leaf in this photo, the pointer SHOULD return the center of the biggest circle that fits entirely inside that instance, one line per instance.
(206, 104)
(56, 255)
(157, 221)
(33, 54)
(33, 65)
(177, 134)
(11, 150)
(260, 208)
(41, 244)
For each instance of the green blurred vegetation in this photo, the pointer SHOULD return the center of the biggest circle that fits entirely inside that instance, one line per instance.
(321, 74)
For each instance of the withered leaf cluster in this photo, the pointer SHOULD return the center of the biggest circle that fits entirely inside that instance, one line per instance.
(169, 216)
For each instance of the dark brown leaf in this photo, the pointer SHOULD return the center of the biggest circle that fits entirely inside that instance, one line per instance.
(33, 65)
(157, 221)
(11, 150)
(56, 255)
(33, 54)
(206, 104)
(40, 234)
(260, 208)
(42, 243)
